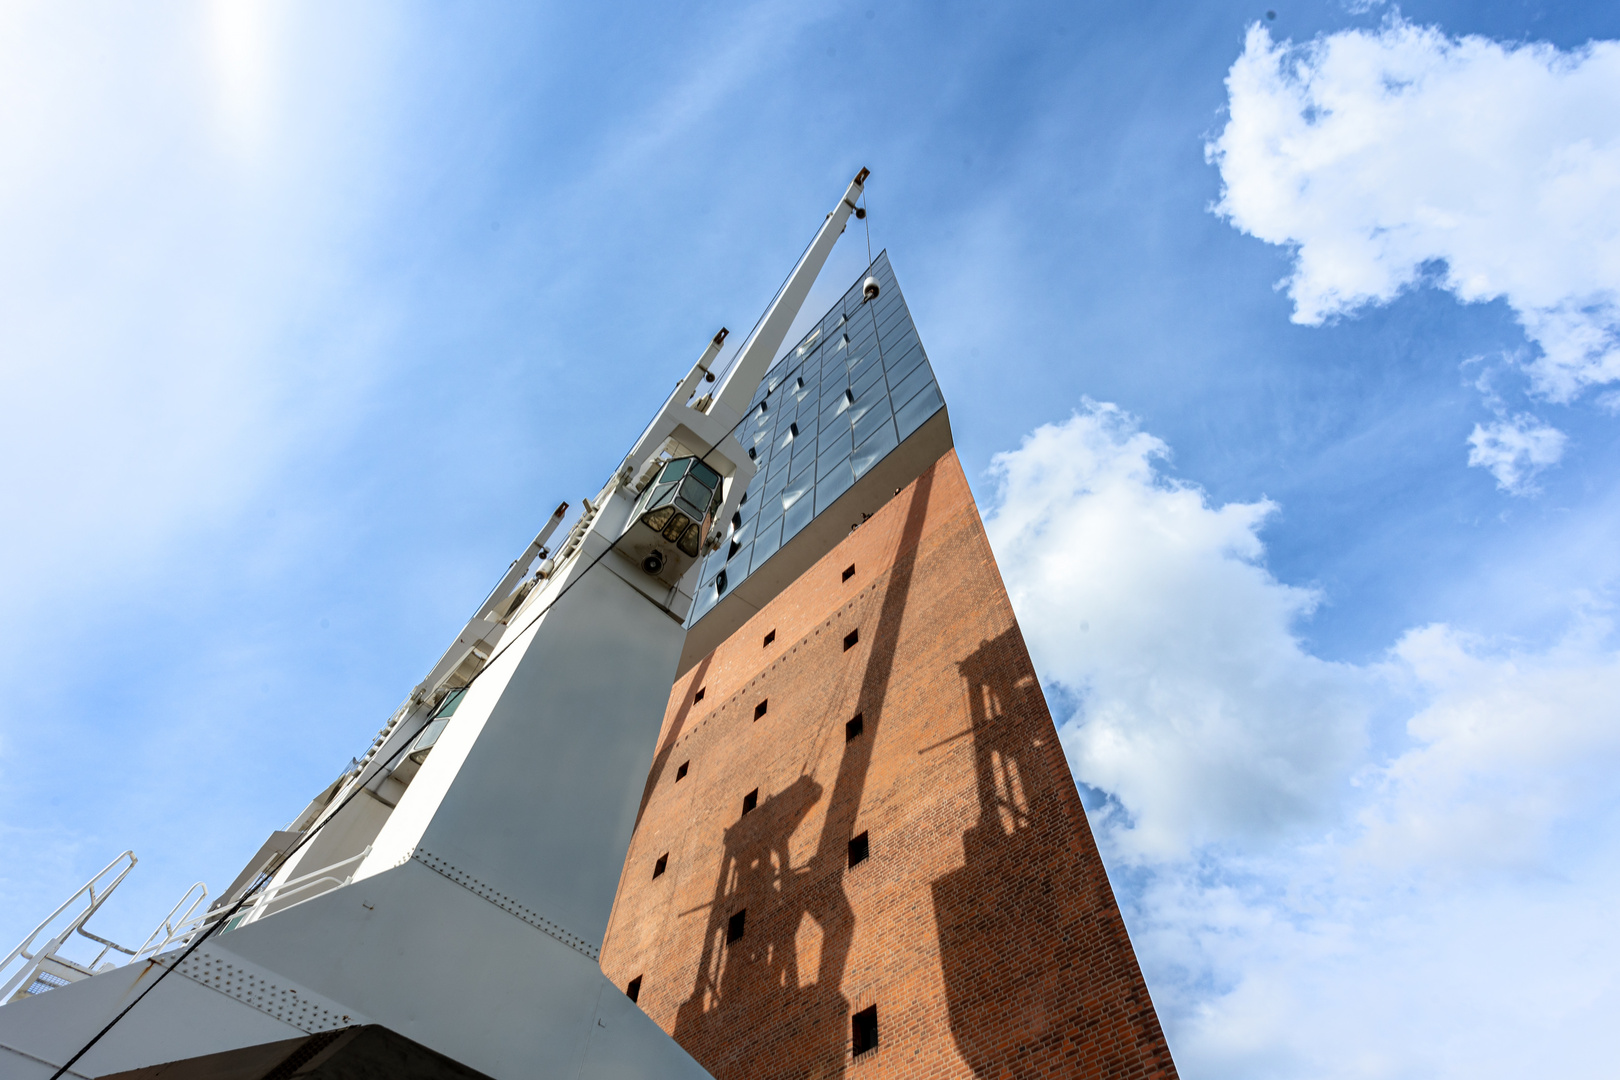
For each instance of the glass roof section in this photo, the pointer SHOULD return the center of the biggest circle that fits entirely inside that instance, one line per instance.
(850, 392)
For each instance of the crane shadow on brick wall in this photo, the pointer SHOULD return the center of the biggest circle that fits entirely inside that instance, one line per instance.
(1039, 973)
(782, 980)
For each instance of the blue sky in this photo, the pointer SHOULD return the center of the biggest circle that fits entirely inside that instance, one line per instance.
(311, 313)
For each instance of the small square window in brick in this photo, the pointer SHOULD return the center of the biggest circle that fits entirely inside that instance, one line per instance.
(663, 860)
(736, 924)
(863, 1030)
(851, 638)
(770, 637)
(750, 800)
(680, 773)
(633, 991)
(853, 728)
(697, 697)
(759, 710)
(849, 571)
(859, 849)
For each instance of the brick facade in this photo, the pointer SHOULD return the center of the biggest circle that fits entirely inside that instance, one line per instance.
(981, 925)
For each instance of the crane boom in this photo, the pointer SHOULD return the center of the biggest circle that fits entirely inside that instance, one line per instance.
(757, 353)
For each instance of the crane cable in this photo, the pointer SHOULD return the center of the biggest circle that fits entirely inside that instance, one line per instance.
(866, 216)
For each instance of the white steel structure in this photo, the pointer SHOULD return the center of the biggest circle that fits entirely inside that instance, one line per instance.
(454, 884)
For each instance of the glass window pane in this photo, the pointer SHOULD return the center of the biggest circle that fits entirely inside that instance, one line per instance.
(706, 600)
(770, 538)
(832, 457)
(774, 486)
(864, 427)
(900, 362)
(863, 379)
(914, 382)
(695, 492)
(837, 481)
(912, 415)
(887, 322)
(898, 351)
(770, 510)
(859, 361)
(836, 424)
(674, 470)
(708, 476)
(874, 449)
(797, 489)
(875, 394)
(797, 518)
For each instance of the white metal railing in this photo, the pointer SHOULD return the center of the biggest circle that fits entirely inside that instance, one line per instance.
(259, 905)
(94, 893)
(177, 926)
(45, 968)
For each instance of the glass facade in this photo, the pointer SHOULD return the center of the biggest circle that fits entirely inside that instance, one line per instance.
(834, 405)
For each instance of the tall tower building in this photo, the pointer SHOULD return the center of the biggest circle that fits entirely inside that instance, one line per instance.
(859, 849)
(853, 847)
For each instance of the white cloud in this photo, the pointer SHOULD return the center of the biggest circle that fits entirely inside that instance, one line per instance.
(1508, 744)
(1203, 714)
(1515, 450)
(1376, 155)
(1387, 870)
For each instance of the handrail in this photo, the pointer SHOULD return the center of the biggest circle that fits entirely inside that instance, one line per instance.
(261, 903)
(48, 950)
(172, 927)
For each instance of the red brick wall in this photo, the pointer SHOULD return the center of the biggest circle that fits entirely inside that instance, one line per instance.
(982, 925)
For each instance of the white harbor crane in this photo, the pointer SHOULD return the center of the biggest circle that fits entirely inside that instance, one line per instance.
(453, 885)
